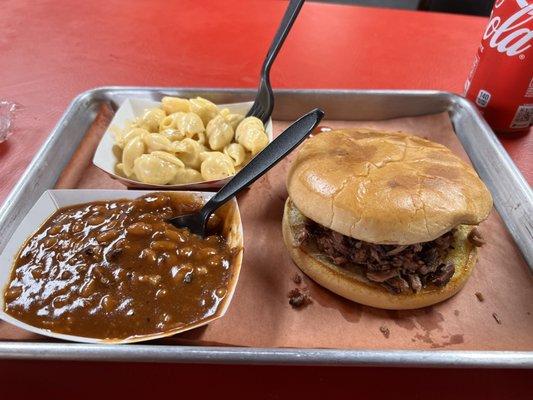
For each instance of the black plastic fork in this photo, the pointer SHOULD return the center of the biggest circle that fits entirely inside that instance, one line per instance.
(264, 100)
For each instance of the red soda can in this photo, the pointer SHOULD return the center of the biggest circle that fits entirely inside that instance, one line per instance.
(501, 80)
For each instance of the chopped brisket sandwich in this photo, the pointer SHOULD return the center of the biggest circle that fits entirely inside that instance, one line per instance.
(384, 219)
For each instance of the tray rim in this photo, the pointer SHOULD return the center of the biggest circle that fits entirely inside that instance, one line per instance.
(248, 355)
(265, 356)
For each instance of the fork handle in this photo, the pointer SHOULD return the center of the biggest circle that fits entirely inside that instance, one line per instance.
(289, 17)
(266, 159)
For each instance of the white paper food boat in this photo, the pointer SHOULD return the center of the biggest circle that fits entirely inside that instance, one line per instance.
(129, 110)
(52, 200)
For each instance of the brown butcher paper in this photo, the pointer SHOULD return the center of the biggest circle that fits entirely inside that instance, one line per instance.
(499, 317)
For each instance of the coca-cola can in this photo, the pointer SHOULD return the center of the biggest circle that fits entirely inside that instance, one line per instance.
(501, 80)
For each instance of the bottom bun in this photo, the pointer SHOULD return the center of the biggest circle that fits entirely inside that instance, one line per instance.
(356, 287)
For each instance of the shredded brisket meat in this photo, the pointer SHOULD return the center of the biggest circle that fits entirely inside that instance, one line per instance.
(475, 238)
(397, 268)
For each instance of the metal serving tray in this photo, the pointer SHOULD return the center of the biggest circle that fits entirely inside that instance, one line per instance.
(512, 195)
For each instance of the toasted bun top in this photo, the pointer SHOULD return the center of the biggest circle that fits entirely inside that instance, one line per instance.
(386, 188)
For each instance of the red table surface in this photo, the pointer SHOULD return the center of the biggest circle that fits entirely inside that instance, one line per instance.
(50, 51)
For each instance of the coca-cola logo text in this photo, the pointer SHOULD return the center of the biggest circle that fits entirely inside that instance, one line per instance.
(511, 36)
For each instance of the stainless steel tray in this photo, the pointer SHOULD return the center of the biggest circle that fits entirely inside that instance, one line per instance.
(513, 199)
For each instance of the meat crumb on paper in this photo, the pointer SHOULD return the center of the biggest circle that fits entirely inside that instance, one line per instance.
(298, 299)
(385, 331)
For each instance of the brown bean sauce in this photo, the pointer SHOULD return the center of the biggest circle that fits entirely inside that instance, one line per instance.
(116, 269)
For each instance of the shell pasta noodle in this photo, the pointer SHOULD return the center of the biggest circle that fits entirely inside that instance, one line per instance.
(251, 134)
(187, 141)
(216, 165)
(219, 133)
(237, 152)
